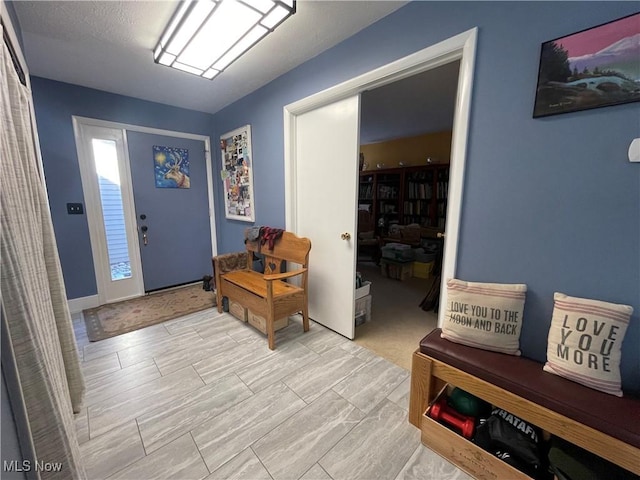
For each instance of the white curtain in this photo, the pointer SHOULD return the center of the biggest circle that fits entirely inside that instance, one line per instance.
(33, 297)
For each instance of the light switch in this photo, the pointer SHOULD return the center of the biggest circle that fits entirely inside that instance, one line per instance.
(634, 150)
(75, 209)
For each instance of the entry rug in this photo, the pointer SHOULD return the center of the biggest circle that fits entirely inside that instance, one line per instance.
(122, 317)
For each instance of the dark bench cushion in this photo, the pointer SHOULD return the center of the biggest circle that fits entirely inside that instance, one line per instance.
(615, 416)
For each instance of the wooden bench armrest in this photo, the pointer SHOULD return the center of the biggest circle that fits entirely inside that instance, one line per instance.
(280, 276)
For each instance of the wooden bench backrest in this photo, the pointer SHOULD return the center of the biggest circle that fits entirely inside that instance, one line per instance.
(289, 247)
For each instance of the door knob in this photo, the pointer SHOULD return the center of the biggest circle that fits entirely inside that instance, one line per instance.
(345, 236)
(440, 235)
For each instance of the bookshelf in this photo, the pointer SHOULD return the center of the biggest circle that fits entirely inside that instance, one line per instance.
(442, 193)
(416, 194)
(417, 205)
(387, 201)
(365, 191)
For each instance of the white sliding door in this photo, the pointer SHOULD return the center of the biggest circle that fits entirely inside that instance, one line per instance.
(326, 147)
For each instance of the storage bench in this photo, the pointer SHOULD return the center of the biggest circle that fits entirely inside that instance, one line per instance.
(266, 299)
(603, 424)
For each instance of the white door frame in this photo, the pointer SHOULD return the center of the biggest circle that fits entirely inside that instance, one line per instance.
(460, 47)
(108, 290)
(92, 219)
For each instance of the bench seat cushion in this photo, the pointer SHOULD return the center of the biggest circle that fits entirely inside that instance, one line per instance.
(256, 284)
(617, 417)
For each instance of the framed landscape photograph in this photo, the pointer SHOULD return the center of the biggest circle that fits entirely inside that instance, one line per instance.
(237, 174)
(593, 68)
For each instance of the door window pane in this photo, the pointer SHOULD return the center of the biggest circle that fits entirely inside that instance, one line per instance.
(106, 158)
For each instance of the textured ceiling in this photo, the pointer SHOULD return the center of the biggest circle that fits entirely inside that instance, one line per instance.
(108, 45)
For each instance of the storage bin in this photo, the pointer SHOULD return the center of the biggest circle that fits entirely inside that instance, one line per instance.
(393, 269)
(363, 310)
(261, 323)
(238, 311)
(397, 251)
(363, 290)
(361, 318)
(422, 270)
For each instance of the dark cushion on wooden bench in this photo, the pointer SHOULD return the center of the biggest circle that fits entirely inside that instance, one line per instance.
(615, 416)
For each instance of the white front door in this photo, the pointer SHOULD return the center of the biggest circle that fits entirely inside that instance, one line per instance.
(326, 149)
(108, 196)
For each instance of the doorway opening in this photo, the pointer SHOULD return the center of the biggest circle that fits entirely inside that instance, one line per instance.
(337, 123)
(406, 129)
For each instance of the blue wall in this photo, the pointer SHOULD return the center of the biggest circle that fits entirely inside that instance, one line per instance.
(55, 103)
(550, 202)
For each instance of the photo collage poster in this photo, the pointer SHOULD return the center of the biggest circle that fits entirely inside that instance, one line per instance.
(236, 174)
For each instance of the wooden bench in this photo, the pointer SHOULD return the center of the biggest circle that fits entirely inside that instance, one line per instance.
(603, 424)
(268, 294)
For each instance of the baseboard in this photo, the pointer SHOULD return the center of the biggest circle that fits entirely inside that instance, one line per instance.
(173, 287)
(77, 305)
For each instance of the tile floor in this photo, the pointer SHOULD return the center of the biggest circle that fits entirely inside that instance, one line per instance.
(202, 397)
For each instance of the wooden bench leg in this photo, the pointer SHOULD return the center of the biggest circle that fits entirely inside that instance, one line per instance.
(270, 317)
(271, 334)
(219, 300)
(420, 393)
(305, 313)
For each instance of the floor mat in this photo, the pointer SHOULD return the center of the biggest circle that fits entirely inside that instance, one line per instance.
(122, 317)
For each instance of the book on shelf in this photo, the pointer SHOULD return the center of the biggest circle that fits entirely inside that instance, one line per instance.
(366, 191)
(387, 192)
(420, 191)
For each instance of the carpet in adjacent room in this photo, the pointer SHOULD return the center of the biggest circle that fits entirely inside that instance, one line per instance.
(397, 322)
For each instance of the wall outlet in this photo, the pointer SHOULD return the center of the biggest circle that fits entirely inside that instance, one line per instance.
(75, 209)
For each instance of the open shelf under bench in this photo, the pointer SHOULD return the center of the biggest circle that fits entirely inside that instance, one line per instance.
(429, 376)
(465, 454)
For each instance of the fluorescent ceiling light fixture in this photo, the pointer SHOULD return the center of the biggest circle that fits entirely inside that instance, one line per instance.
(206, 36)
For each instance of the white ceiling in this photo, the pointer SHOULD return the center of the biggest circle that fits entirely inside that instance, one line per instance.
(108, 45)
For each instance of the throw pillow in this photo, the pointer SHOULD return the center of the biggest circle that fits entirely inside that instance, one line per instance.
(484, 315)
(585, 341)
